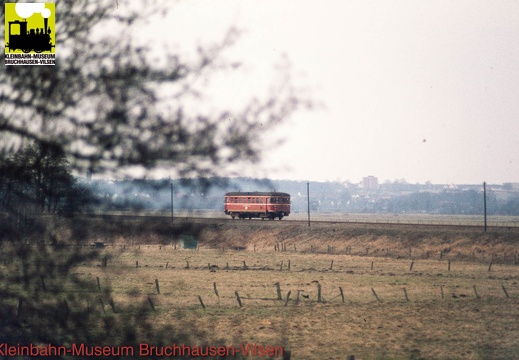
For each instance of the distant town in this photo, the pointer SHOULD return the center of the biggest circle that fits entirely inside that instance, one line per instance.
(368, 196)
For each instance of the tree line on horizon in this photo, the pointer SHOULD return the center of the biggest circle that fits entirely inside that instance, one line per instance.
(155, 195)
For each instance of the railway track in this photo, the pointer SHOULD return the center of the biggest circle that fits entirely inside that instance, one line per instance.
(353, 223)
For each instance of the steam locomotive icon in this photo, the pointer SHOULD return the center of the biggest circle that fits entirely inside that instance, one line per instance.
(37, 40)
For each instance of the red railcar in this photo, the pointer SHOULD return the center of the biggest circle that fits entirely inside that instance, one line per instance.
(265, 205)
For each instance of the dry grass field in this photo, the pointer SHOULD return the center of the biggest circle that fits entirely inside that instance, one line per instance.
(474, 318)
(406, 293)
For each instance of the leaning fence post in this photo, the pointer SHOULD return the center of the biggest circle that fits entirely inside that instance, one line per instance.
(476, 292)
(238, 298)
(201, 302)
(151, 304)
(157, 285)
(506, 292)
(112, 305)
(405, 294)
(288, 297)
(342, 294)
(102, 305)
(375, 294)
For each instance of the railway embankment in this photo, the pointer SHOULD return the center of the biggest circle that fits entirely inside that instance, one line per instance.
(395, 240)
(442, 242)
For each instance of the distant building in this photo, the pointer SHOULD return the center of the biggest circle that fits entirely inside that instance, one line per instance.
(370, 182)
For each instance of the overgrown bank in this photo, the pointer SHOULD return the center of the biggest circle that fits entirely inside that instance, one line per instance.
(447, 242)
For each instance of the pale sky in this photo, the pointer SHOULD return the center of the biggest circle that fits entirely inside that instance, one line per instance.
(415, 90)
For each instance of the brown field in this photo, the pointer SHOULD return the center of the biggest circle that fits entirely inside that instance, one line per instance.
(462, 285)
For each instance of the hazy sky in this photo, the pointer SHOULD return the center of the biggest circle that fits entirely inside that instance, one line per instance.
(421, 90)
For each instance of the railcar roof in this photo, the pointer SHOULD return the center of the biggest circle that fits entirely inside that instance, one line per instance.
(256, 193)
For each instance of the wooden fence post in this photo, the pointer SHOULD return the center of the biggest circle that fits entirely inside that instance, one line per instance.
(375, 294)
(411, 266)
(288, 297)
(331, 265)
(98, 284)
(112, 305)
(201, 302)
(216, 291)
(476, 292)
(238, 298)
(405, 294)
(319, 298)
(342, 294)
(151, 304)
(506, 292)
(157, 285)
(42, 278)
(102, 304)
(19, 309)
(278, 289)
